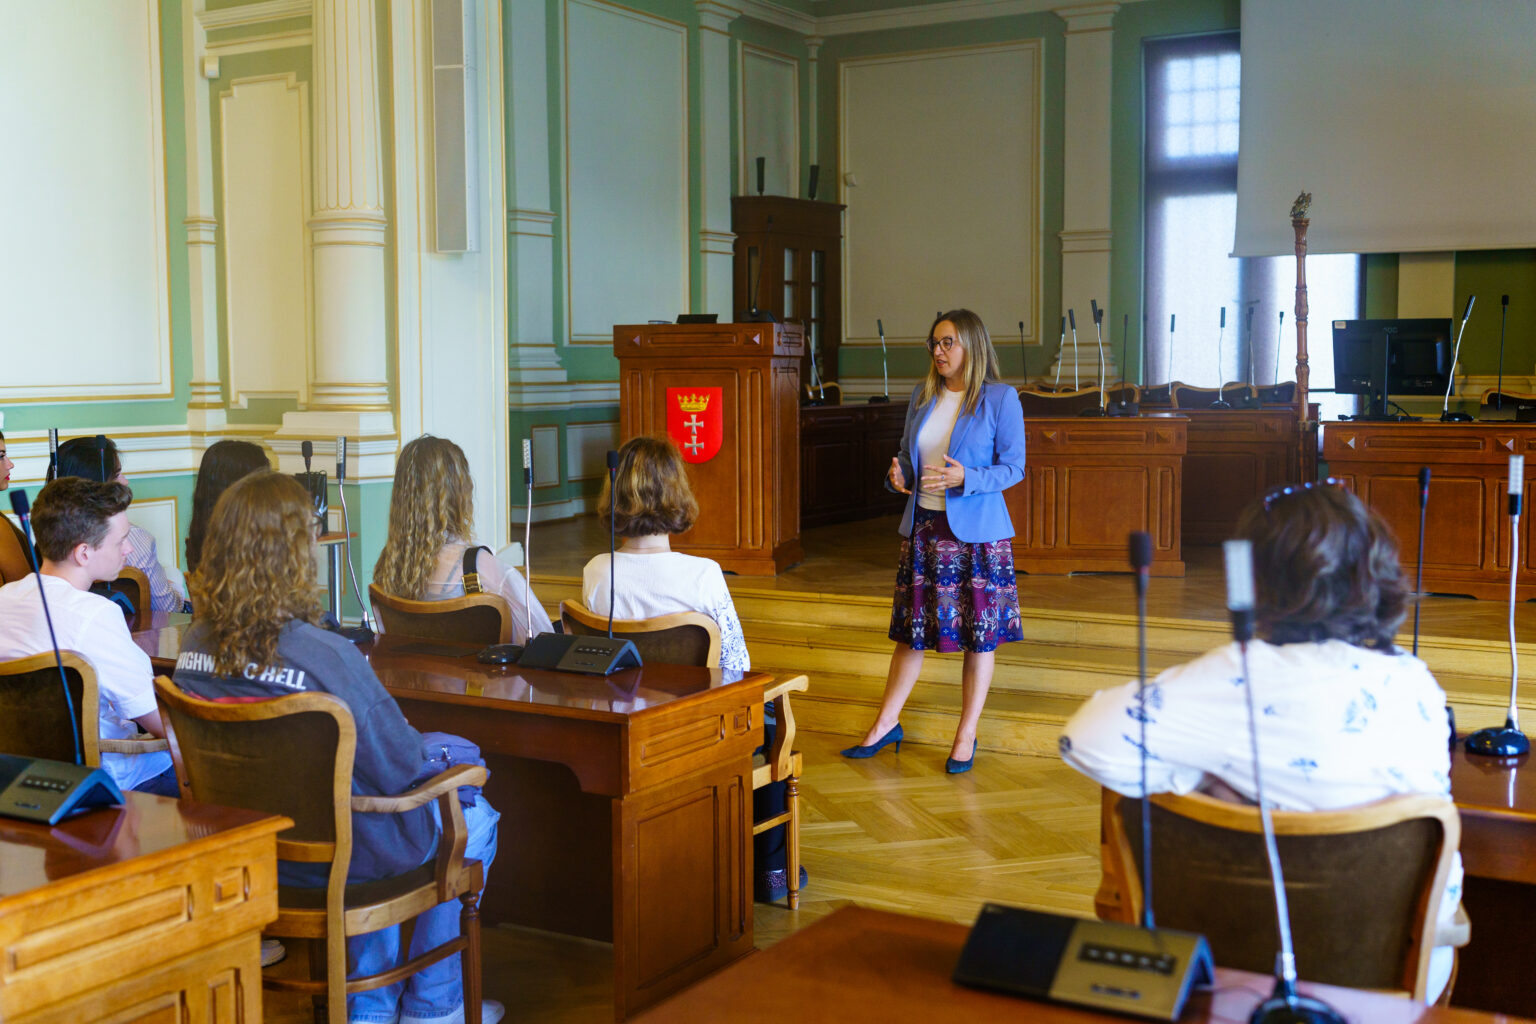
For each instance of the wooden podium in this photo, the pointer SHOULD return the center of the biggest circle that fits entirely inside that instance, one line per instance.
(729, 396)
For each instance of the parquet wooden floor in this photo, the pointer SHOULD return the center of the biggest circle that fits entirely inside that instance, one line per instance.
(892, 832)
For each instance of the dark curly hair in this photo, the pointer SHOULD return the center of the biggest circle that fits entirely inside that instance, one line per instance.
(651, 494)
(1325, 567)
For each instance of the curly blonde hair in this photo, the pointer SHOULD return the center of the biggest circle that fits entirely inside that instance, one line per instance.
(433, 503)
(257, 571)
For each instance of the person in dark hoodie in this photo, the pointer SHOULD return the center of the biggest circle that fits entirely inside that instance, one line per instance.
(254, 636)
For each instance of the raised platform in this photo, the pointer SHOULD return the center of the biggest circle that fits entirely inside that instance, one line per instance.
(829, 615)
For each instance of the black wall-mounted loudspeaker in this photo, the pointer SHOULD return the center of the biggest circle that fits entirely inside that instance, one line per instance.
(810, 186)
(762, 162)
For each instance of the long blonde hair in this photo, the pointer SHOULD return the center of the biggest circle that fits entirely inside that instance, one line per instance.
(257, 571)
(433, 503)
(980, 359)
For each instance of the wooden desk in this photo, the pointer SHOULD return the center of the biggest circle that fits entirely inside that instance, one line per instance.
(845, 454)
(1234, 457)
(150, 911)
(1466, 545)
(1090, 482)
(626, 802)
(1497, 800)
(870, 965)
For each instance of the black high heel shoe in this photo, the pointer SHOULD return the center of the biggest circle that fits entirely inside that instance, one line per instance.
(952, 766)
(870, 750)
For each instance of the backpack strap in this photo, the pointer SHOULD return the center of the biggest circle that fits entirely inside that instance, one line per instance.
(471, 577)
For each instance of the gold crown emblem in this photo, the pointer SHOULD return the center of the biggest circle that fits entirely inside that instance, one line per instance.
(693, 403)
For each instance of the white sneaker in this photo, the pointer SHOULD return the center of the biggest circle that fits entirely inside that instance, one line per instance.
(272, 951)
(490, 1012)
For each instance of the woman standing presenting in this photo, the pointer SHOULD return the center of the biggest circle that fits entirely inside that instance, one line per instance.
(955, 588)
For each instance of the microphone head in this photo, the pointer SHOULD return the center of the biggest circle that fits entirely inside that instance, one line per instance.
(1468, 311)
(1072, 318)
(1424, 478)
(1504, 300)
(880, 326)
(341, 458)
(1282, 318)
(1238, 555)
(1093, 304)
(53, 432)
(1223, 316)
(1171, 318)
(101, 442)
(1141, 550)
(1516, 474)
(1063, 325)
(307, 449)
(613, 461)
(527, 453)
(19, 503)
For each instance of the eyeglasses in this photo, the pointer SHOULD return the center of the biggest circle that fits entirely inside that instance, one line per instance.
(1281, 493)
(944, 343)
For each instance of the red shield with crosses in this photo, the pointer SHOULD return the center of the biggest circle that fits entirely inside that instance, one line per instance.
(696, 421)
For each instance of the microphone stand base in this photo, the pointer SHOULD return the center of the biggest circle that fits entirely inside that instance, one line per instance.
(1295, 1009)
(1505, 742)
(1455, 417)
(879, 398)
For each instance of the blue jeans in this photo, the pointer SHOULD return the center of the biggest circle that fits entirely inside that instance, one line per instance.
(437, 990)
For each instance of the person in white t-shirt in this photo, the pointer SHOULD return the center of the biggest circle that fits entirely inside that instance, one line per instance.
(81, 528)
(431, 529)
(1344, 716)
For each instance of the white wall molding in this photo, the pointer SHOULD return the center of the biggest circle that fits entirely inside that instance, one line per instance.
(292, 39)
(943, 13)
(1087, 240)
(562, 395)
(533, 223)
(549, 511)
(770, 13)
(254, 14)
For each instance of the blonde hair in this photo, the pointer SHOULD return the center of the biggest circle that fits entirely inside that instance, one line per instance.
(980, 358)
(651, 493)
(433, 503)
(257, 571)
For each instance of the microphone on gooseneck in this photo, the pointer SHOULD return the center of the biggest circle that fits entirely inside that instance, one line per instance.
(307, 449)
(1446, 416)
(101, 455)
(53, 452)
(1278, 332)
(1056, 384)
(1072, 319)
(1172, 319)
(1418, 586)
(1221, 387)
(1498, 394)
(1098, 330)
(1508, 741)
(363, 633)
(613, 480)
(1141, 562)
(1285, 1005)
(528, 536)
(23, 510)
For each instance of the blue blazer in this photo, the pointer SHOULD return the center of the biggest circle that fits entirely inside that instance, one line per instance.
(989, 443)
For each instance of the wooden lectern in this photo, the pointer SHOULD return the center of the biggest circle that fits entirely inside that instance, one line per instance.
(729, 396)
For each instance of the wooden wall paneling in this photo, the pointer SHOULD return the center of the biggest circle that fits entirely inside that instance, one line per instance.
(1234, 458)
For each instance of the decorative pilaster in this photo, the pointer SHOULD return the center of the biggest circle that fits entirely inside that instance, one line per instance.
(716, 240)
(205, 407)
(1085, 234)
(349, 221)
(531, 356)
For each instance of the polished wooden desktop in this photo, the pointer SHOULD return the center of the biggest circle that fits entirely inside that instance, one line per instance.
(1497, 801)
(151, 911)
(626, 801)
(1091, 481)
(871, 965)
(1466, 543)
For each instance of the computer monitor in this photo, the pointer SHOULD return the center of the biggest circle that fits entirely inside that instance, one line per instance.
(1379, 358)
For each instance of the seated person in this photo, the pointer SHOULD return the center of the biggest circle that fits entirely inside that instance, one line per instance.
(14, 560)
(431, 526)
(253, 636)
(81, 457)
(1347, 718)
(650, 500)
(81, 529)
(223, 463)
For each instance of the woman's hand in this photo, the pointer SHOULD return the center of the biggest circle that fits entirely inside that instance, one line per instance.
(897, 478)
(942, 478)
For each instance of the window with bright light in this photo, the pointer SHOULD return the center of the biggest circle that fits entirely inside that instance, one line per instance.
(1192, 282)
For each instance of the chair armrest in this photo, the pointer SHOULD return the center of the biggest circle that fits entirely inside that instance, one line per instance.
(142, 745)
(1456, 932)
(789, 684)
(439, 785)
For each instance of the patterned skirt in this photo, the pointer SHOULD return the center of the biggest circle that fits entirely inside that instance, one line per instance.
(953, 596)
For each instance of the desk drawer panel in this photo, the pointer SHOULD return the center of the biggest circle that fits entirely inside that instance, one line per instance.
(134, 921)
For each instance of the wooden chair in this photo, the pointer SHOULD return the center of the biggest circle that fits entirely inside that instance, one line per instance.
(34, 718)
(1059, 403)
(472, 619)
(1159, 396)
(781, 763)
(15, 563)
(134, 585)
(293, 756)
(1236, 393)
(1364, 883)
(829, 393)
(682, 638)
(1283, 393)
